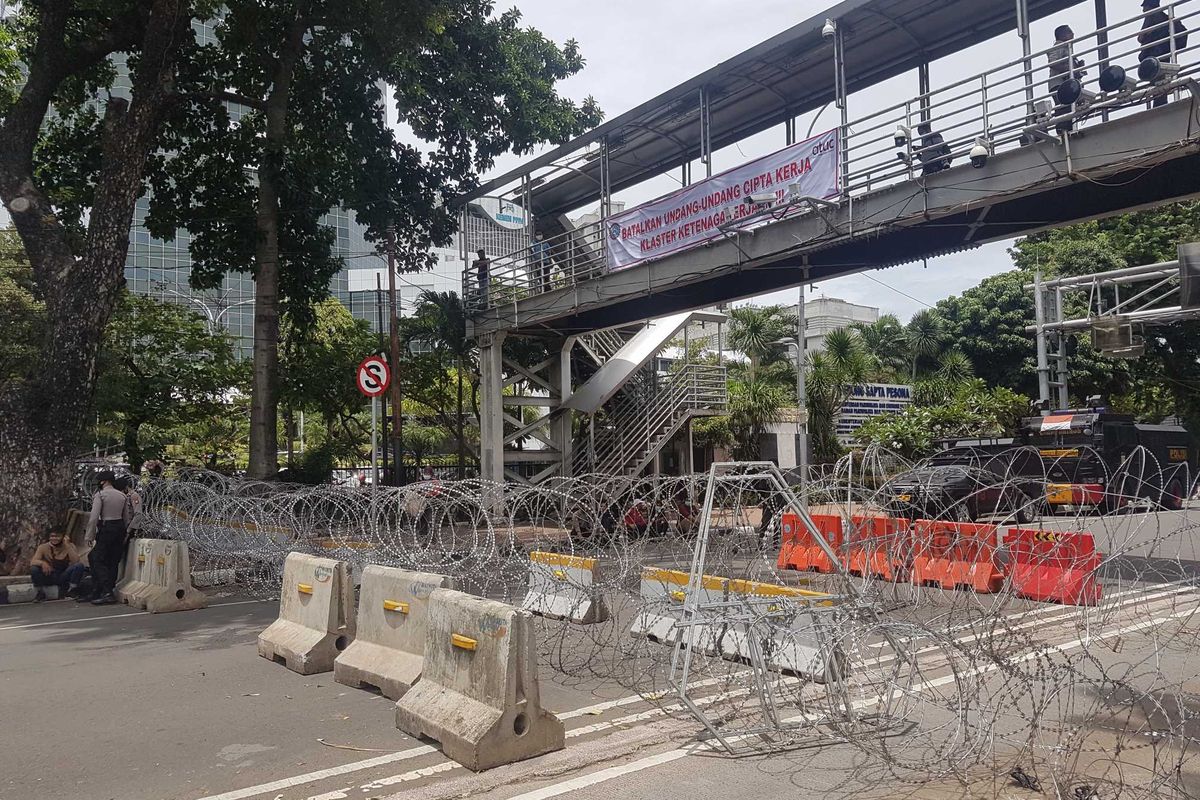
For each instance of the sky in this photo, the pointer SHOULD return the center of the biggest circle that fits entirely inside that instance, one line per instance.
(636, 49)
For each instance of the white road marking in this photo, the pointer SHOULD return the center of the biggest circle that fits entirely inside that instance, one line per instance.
(605, 775)
(322, 774)
(584, 781)
(595, 709)
(115, 616)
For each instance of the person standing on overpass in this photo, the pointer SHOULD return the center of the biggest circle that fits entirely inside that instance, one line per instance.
(111, 513)
(1156, 35)
(482, 270)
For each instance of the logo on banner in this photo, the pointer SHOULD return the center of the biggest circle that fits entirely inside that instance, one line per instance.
(614, 231)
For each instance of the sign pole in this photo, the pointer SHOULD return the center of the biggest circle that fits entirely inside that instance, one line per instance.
(375, 443)
(372, 379)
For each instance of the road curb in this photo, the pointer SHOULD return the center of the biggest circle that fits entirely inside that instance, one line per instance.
(11, 594)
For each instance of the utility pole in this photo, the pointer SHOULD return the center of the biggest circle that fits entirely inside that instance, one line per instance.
(394, 333)
(801, 397)
(379, 324)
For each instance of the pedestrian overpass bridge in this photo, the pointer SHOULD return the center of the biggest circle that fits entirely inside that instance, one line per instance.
(1010, 157)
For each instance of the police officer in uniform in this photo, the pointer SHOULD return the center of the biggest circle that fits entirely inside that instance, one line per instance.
(111, 513)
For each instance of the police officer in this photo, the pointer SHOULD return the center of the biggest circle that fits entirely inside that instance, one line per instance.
(111, 513)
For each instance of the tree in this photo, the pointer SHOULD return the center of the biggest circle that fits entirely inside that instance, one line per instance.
(77, 259)
(885, 344)
(757, 332)
(924, 336)
(831, 376)
(971, 410)
(318, 364)
(442, 321)
(252, 187)
(753, 405)
(23, 313)
(161, 364)
(987, 324)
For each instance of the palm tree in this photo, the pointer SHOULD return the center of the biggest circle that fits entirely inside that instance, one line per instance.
(885, 345)
(753, 405)
(831, 376)
(757, 331)
(443, 319)
(955, 367)
(924, 336)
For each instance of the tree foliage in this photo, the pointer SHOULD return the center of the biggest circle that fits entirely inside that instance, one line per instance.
(318, 363)
(1171, 366)
(161, 364)
(24, 314)
(972, 410)
(310, 133)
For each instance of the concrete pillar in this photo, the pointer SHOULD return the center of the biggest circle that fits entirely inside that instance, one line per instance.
(491, 407)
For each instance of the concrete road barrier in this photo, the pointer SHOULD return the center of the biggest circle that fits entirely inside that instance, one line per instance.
(316, 615)
(479, 694)
(663, 592)
(158, 577)
(388, 650)
(565, 587)
(784, 628)
(134, 570)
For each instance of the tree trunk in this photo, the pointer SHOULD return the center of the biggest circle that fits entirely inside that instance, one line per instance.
(133, 451)
(462, 445)
(43, 420)
(264, 387)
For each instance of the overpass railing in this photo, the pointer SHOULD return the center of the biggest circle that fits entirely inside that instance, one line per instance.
(1005, 108)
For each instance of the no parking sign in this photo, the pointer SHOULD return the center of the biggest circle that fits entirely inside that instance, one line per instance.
(373, 376)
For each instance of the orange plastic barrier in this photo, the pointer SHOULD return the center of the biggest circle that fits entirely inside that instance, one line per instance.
(955, 555)
(879, 547)
(800, 550)
(1054, 567)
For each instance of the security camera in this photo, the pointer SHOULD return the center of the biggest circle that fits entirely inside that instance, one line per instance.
(902, 136)
(981, 152)
(1071, 93)
(1154, 71)
(763, 199)
(830, 29)
(1114, 79)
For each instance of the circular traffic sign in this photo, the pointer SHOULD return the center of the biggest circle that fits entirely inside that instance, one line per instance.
(373, 376)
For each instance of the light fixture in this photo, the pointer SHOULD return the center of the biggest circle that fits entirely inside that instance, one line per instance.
(981, 152)
(1114, 79)
(763, 199)
(1157, 72)
(1071, 93)
(830, 29)
(902, 136)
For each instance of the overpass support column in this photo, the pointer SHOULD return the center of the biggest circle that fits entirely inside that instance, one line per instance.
(563, 430)
(491, 407)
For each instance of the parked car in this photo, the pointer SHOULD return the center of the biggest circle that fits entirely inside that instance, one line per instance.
(956, 492)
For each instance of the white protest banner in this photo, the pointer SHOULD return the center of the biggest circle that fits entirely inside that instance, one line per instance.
(692, 215)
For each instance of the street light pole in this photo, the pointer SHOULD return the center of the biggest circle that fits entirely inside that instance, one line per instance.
(801, 395)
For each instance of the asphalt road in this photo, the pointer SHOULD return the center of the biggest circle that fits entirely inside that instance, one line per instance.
(110, 703)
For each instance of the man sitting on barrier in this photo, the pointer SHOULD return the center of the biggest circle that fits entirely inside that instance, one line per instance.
(55, 563)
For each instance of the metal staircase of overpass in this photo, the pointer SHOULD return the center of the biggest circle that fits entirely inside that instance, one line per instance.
(611, 376)
(637, 425)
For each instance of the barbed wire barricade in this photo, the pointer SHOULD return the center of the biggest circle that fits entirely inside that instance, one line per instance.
(962, 624)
